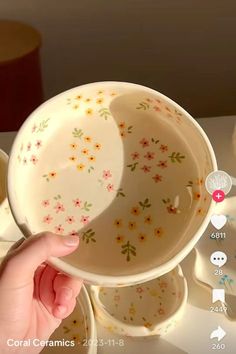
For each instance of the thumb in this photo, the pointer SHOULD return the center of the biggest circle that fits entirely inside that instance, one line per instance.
(19, 267)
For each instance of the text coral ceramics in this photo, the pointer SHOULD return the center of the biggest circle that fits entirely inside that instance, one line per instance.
(122, 166)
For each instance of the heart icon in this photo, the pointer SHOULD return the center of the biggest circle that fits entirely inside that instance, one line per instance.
(218, 221)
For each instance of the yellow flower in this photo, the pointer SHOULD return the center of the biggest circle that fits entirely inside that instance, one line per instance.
(148, 220)
(199, 181)
(88, 100)
(75, 323)
(196, 195)
(118, 222)
(52, 174)
(113, 94)
(135, 211)
(121, 125)
(99, 101)
(200, 211)
(97, 146)
(73, 146)
(79, 97)
(87, 139)
(142, 237)
(76, 106)
(119, 238)
(89, 111)
(85, 151)
(72, 158)
(158, 231)
(91, 158)
(80, 167)
(132, 225)
(100, 92)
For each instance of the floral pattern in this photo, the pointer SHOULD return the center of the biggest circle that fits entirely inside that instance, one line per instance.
(146, 304)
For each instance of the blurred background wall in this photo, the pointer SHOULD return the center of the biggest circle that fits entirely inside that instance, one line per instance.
(185, 49)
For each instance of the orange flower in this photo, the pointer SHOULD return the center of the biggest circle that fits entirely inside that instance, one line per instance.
(85, 151)
(91, 158)
(142, 237)
(73, 146)
(89, 111)
(80, 167)
(97, 146)
(196, 195)
(118, 222)
(121, 125)
(148, 220)
(132, 225)
(87, 139)
(79, 97)
(72, 158)
(119, 238)
(158, 231)
(99, 101)
(135, 211)
(52, 174)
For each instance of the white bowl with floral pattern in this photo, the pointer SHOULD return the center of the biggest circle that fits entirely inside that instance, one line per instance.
(77, 333)
(120, 165)
(147, 309)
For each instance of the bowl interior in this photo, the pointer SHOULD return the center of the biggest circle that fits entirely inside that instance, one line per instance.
(120, 165)
(3, 173)
(149, 304)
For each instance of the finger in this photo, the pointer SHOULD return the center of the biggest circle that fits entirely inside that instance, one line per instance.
(20, 266)
(66, 290)
(37, 278)
(46, 290)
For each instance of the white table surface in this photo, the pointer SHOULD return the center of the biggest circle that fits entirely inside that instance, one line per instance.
(192, 334)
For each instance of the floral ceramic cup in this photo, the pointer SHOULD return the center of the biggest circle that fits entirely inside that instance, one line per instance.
(147, 309)
(123, 167)
(5, 214)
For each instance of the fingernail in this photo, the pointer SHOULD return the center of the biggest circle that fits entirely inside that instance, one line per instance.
(71, 241)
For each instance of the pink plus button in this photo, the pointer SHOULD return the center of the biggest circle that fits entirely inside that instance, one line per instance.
(218, 196)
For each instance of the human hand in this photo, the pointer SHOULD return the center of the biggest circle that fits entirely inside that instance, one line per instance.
(34, 297)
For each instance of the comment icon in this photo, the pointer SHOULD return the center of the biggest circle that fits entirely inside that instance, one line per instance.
(218, 258)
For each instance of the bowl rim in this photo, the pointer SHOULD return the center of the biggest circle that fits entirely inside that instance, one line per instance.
(96, 278)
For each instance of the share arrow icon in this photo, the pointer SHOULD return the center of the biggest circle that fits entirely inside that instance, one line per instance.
(218, 333)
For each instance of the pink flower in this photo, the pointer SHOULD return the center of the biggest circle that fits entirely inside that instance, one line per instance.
(74, 233)
(59, 229)
(157, 178)
(59, 207)
(135, 155)
(70, 219)
(34, 159)
(139, 290)
(110, 187)
(149, 155)
(38, 144)
(47, 219)
(163, 148)
(162, 164)
(45, 203)
(84, 219)
(144, 142)
(34, 128)
(157, 108)
(29, 147)
(106, 174)
(146, 168)
(77, 202)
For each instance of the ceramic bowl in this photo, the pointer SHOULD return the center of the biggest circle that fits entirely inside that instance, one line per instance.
(122, 166)
(204, 271)
(151, 308)
(79, 328)
(5, 214)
